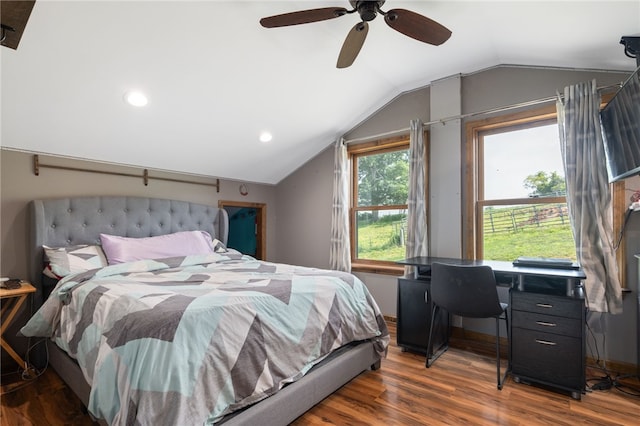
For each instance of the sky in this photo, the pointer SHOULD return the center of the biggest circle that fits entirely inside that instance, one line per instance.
(511, 157)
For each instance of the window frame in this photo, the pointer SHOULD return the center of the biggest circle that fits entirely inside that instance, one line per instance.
(472, 172)
(355, 151)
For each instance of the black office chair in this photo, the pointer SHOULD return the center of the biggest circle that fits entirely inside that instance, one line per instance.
(467, 291)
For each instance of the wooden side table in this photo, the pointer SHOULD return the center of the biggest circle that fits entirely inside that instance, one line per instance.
(16, 298)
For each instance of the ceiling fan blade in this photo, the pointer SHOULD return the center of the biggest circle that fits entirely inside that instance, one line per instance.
(352, 44)
(417, 26)
(303, 17)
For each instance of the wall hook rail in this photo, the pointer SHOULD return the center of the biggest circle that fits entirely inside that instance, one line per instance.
(37, 165)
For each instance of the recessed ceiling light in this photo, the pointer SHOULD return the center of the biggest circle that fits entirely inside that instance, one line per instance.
(265, 137)
(135, 98)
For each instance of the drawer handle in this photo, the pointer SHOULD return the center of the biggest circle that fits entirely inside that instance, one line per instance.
(545, 342)
(544, 305)
(546, 324)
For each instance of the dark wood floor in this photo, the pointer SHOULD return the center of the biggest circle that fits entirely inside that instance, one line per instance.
(458, 389)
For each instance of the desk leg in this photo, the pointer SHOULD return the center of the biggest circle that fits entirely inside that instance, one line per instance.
(432, 353)
(5, 324)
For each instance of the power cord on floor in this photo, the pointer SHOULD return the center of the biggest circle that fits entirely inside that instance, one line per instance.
(608, 382)
(30, 373)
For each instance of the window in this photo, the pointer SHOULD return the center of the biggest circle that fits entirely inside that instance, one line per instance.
(378, 215)
(519, 197)
(514, 181)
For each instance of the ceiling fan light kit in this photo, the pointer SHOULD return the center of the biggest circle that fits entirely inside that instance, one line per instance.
(409, 23)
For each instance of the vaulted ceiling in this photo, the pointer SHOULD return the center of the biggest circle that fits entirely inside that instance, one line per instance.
(215, 79)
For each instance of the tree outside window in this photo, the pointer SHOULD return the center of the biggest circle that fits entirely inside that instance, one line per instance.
(379, 204)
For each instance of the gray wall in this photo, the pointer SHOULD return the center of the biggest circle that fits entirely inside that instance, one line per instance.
(302, 194)
(304, 213)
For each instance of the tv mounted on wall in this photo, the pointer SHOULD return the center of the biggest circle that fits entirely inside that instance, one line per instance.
(620, 122)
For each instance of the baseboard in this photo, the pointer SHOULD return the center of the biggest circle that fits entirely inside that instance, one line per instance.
(389, 318)
(462, 337)
(461, 333)
(614, 368)
(474, 338)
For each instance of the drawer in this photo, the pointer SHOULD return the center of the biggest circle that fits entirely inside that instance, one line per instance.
(548, 357)
(547, 323)
(547, 304)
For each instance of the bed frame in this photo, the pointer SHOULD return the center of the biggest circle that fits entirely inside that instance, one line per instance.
(72, 221)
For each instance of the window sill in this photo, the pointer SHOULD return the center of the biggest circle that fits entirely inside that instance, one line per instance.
(378, 268)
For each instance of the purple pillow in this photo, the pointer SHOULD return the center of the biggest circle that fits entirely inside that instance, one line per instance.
(123, 249)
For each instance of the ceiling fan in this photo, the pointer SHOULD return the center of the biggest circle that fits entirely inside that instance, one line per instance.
(405, 21)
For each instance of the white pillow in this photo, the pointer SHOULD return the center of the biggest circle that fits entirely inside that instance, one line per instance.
(63, 261)
(124, 249)
(218, 246)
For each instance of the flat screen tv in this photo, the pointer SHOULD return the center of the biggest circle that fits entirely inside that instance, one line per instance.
(620, 122)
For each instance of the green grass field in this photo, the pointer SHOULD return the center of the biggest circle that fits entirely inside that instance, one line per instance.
(381, 241)
(533, 242)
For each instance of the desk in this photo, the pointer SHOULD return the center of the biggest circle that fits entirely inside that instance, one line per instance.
(16, 297)
(525, 278)
(547, 313)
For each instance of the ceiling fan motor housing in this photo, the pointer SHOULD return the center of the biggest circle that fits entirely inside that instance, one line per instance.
(368, 10)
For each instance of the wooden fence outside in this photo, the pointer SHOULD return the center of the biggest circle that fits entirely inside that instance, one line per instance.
(514, 219)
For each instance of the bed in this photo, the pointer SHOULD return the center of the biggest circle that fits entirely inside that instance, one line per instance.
(252, 342)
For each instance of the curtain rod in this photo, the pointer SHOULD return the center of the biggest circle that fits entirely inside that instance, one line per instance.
(473, 114)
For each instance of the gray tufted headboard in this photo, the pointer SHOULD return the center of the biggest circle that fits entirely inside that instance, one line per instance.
(71, 221)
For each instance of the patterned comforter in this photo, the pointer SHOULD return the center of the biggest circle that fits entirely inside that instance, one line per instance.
(187, 340)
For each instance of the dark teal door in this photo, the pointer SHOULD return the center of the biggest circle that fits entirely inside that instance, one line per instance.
(242, 229)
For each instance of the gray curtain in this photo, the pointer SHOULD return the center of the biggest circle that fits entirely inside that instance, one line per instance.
(417, 238)
(588, 194)
(340, 251)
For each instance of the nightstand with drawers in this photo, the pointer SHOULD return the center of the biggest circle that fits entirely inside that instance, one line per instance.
(548, 339)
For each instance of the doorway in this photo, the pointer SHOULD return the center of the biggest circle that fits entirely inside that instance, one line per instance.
(247, 227)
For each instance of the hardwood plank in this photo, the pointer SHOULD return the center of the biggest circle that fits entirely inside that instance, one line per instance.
(459, 388)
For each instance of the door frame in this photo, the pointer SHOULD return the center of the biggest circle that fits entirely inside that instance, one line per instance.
(261, 223)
